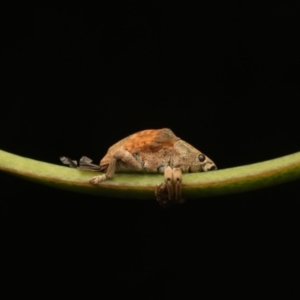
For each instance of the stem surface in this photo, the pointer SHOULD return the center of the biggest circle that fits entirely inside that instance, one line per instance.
(141, 186)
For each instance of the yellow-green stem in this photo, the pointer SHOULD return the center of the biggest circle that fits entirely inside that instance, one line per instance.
(141, 186)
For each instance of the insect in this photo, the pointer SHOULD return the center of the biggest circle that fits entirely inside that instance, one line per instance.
(155, 151)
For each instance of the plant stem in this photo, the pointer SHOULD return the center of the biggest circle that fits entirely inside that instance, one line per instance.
(141, 186)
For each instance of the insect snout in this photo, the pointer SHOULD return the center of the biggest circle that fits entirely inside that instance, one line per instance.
(210, 166)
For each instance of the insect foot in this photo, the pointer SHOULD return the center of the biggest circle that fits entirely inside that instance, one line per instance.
(97, 179)
(169, 192)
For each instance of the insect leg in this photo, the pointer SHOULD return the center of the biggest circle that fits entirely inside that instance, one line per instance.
(109, 173)
(122, 155)
(127, 158)
(169, 182)
(177, 180)
(169, 192)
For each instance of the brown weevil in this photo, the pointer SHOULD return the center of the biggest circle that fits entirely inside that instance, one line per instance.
(154, 151)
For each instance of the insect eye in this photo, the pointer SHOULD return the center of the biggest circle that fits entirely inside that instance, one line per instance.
(201, 157)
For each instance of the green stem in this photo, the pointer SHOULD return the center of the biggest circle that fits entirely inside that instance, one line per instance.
(141, 186)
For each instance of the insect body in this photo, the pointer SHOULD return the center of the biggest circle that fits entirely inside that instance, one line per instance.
(151, 151)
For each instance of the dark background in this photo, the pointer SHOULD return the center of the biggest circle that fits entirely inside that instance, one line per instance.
(78, 77)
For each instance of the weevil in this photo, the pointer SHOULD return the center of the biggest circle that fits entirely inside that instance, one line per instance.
(155, 151)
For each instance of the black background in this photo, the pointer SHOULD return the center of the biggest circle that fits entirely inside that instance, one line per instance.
(77, 77)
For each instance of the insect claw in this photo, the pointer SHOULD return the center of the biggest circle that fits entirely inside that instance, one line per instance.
(67, 161)
(161, 195)
(97, 179)
(85, 163)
